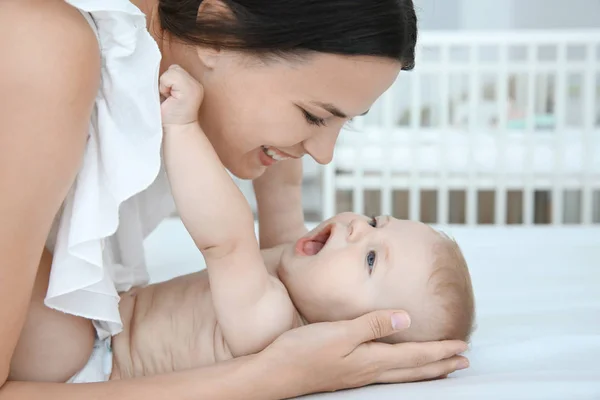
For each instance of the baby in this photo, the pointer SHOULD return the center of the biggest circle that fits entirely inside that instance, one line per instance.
(350, 265)
(345, 267)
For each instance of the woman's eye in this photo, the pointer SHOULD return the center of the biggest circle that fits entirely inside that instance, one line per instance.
(371, 257)
(313, 120)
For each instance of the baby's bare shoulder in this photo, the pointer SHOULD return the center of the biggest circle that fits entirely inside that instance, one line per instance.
(280, 307)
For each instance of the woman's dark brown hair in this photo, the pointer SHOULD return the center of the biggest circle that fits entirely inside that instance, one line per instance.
(382, 28)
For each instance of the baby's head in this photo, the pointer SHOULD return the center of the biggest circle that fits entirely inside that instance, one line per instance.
(351, 264)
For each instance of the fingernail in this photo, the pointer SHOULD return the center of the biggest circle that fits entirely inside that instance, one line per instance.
(400, 321)
(462, 364)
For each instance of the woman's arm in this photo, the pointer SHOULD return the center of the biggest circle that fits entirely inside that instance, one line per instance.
(49, 73)
(242, 378)
(279, 197)
(314, 358)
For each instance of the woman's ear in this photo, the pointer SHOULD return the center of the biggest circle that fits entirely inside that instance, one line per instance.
(207, 11)
(213, 8)
(208, 56)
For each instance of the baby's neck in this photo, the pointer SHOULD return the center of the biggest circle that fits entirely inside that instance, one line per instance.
(272, 258)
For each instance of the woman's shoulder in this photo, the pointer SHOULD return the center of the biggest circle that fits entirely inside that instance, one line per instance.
(50, 37)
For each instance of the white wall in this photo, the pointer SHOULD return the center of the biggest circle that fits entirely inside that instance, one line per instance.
(487, 14)
(438, 14)
(557, 14)
(507, 14)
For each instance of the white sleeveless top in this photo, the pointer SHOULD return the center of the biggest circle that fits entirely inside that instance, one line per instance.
(121, 192)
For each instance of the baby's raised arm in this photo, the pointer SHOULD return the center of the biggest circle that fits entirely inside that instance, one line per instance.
(252, 307)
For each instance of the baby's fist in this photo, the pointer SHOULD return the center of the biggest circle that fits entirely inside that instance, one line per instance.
(183, 96)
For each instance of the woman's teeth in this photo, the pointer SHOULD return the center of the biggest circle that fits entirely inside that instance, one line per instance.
(274, 154)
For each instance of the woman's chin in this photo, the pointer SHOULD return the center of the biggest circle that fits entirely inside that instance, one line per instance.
(242, 170)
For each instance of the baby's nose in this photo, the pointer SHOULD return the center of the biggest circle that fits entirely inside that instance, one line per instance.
(357, 229)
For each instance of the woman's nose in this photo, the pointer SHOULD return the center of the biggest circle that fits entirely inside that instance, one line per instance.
(321, 146)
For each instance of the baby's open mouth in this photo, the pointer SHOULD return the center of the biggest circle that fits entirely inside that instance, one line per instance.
(312, 245)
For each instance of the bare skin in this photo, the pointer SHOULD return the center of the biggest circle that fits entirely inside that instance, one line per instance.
(53, 346)
(49, 78)
(347, 266)
(173, 325)
(44, 120)
(168, 327)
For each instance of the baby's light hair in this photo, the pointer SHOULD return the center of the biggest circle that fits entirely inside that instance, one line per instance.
(451, 285)
(451, 313)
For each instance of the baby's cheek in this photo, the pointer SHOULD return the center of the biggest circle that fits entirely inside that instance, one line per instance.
(351, 303)
(391, 297)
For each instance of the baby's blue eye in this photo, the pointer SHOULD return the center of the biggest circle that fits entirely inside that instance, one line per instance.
(371, 257)
(373, 222)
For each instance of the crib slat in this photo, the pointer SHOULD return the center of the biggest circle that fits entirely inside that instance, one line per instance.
(388, 128)
(443, 206)
(328, 190)
(589, 87)
(414, 201)
(501, 136)
(560, 131)
(358, 193)
(528, 206)
(472, 126)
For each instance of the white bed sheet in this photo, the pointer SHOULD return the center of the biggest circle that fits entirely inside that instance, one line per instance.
(538, 313)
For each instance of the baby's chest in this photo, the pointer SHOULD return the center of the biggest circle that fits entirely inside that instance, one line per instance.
(176, 327)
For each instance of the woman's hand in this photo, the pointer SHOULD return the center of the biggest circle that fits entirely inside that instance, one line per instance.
(342, 355)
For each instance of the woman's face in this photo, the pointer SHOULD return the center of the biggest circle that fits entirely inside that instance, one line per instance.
(256, 113)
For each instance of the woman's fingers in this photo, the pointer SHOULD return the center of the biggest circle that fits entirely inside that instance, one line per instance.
(409, 355)
(421, 354)
(426, 372)
(376, 325)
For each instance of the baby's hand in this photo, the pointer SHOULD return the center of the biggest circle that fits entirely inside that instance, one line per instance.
(183, 96)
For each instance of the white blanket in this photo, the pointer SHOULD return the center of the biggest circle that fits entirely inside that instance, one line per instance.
(538, 313)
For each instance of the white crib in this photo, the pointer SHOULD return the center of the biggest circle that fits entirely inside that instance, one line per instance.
(490, 128)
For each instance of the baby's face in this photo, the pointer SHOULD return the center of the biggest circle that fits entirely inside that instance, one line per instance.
(352, 264)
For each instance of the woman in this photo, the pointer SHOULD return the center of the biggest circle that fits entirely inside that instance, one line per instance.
(82, 179)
